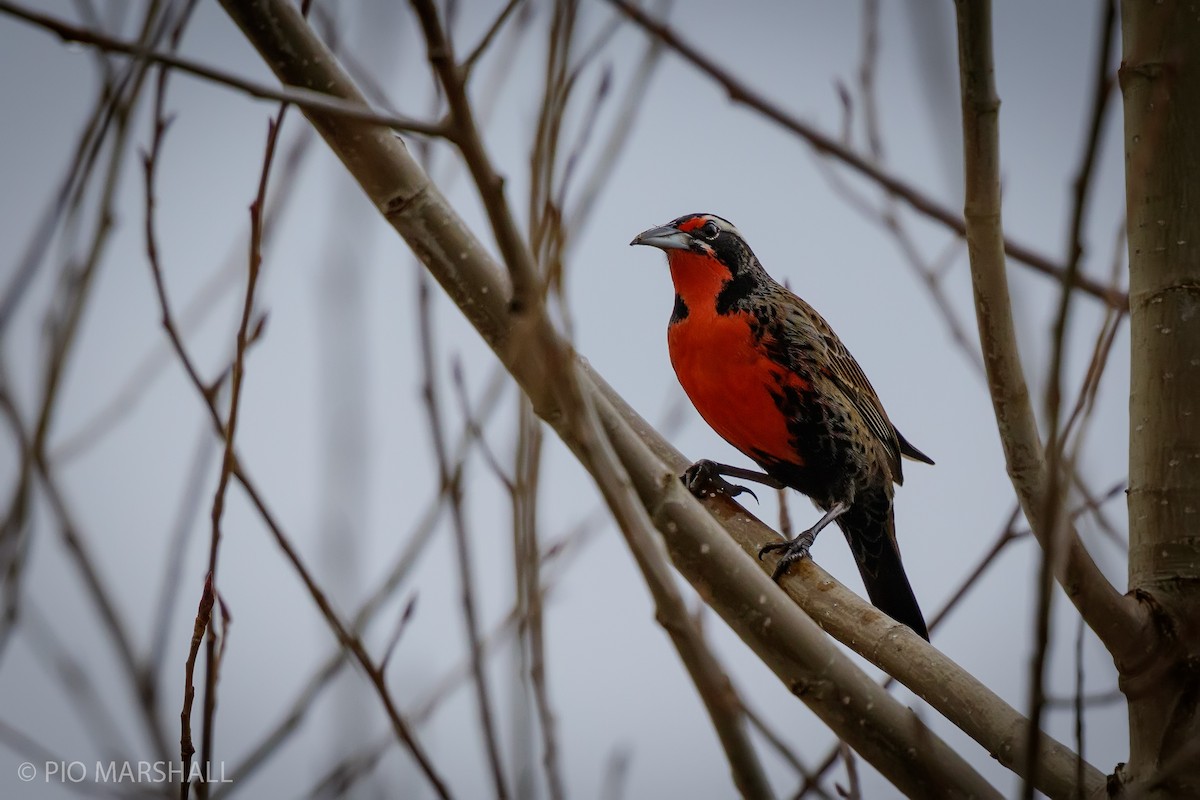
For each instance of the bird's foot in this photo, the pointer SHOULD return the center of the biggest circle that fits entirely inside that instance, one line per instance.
(703, 479)
(793, 551)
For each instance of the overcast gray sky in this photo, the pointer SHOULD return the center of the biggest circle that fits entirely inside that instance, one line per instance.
(334, 432)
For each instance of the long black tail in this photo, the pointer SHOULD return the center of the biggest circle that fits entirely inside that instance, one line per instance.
(871, 531)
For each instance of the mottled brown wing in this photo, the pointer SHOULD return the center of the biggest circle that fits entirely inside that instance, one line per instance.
(848, 376)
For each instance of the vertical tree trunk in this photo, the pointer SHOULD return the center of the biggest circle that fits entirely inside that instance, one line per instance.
(1160, 81)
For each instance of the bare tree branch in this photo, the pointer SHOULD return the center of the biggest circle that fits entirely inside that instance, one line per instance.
(466, 134)
(1057, 470)
(348, 639)
(111, 125)
(1160, 84)
(1117, 620)
(742, 93)
(453, 490)
(201, 626)
(303, 98)
(485, 41)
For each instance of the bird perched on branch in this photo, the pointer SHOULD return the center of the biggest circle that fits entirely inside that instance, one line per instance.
(771, 377)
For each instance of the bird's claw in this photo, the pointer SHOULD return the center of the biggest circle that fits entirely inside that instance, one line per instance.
(703, 480)
(795, 550)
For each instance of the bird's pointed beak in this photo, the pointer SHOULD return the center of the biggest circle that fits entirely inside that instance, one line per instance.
(664, 237)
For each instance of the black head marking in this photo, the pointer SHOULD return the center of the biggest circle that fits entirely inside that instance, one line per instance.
(714, 236)
(680, 312)
(736, 290)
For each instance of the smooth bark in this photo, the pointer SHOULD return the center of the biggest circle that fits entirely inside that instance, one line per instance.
(1160, 82)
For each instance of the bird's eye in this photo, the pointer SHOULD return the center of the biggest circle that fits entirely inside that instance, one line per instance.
(709, 230)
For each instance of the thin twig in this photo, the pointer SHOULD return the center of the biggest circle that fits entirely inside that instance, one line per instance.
(109, 100)
(473, 429)
(347, 639)
(852, 791)
(499, 636)
(1078, 708)
(546, 232)
(62, 324)
(85, 698)
(579, 213)
(488, 37)
(466, 135)
(198, 309)
(304, 98)
(114, 102)
(186, 748)
(1109, 698)
(784, 749)
(401, 625)
(415, 543)
(461, 541)
(530, 592)
(930, 275)
(1085, 399)
(1056, 492)
(229, 428)
(743, 93)
(352, 642)
(616, 773)
(867, 68)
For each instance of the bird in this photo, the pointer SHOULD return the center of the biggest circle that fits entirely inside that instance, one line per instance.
(770, 376)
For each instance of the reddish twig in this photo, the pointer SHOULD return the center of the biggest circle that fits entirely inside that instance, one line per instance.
(186, 748)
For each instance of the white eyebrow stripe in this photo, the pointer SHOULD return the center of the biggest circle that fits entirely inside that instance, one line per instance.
(725, 225)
